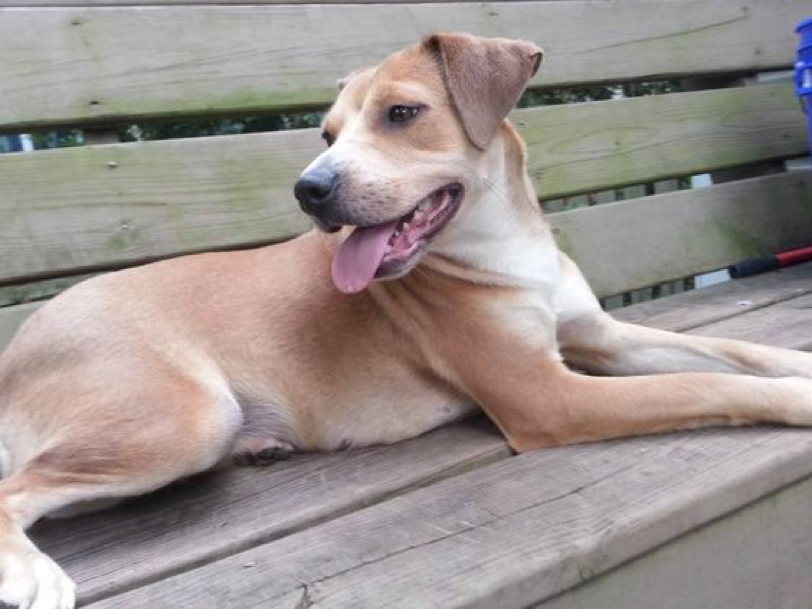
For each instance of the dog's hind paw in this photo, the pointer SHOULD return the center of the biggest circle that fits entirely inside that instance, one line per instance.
(261, 453)
(31, 580)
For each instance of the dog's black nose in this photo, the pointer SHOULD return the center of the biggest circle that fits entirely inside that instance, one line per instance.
(315, 189)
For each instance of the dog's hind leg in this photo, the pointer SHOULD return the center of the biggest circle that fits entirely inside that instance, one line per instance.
(124, 449)
(592, 341)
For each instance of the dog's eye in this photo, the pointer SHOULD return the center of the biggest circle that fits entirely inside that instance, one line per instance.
(401, 114)
(328, 137)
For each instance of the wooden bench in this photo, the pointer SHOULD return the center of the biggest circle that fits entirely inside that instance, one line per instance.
(719, 518)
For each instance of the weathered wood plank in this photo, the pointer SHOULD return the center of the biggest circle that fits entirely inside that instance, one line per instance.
(65, 65)
(135, 202)
(756, 558)
(507, 535)
(695, 308)
(664, 237)
(217, 515)
(121, 204)
(790, 322)
(587, 147)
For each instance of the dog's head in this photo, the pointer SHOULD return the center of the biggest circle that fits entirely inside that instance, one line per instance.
(406, 146)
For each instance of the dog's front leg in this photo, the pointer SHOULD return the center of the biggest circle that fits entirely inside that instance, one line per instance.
(592, 341)
(601, 345)
(538, 402)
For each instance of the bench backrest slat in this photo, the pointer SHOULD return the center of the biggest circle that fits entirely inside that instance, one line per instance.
(92, 65)
(642, 242)
(70, 210)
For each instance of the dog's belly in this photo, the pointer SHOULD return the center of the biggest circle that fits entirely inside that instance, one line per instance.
(353, 414)
(386, 417)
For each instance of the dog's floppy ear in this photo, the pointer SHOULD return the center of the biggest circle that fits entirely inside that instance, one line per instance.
(485, 78)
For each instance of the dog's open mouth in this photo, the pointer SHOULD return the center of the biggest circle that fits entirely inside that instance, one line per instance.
(391, 249)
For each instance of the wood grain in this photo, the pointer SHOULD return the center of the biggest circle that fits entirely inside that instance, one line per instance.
(689, 310)
(507, 535)
(213, 516)
(755, 558)
(588, 147)
(790, 320)
(221, 59)
(107, 206)
(633, 244)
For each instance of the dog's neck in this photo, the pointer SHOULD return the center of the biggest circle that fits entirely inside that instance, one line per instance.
(500, 236)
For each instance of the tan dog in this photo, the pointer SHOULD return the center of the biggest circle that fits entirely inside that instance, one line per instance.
(134, 379)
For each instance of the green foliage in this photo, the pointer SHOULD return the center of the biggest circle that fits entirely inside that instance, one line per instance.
(589, 93)
(226, 126)
(572, 95)
(58, 139)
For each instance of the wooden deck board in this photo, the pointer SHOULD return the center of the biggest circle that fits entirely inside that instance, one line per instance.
(789, 321)
(506, 535)
(717, 560)
(695, 308)
(496, 534)
(194, 522)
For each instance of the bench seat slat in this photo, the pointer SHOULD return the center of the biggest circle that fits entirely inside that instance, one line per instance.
(791, 323)
(74, 65)
(732, 299)
(107, 206)
(220, 514)
(754, 559)
(508, 535)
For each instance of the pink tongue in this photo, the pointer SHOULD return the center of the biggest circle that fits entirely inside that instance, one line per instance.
(359, 257)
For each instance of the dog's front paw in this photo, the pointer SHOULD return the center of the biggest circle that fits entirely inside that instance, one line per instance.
(31, 580)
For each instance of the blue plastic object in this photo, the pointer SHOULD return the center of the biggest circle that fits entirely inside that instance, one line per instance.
(803, 73)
